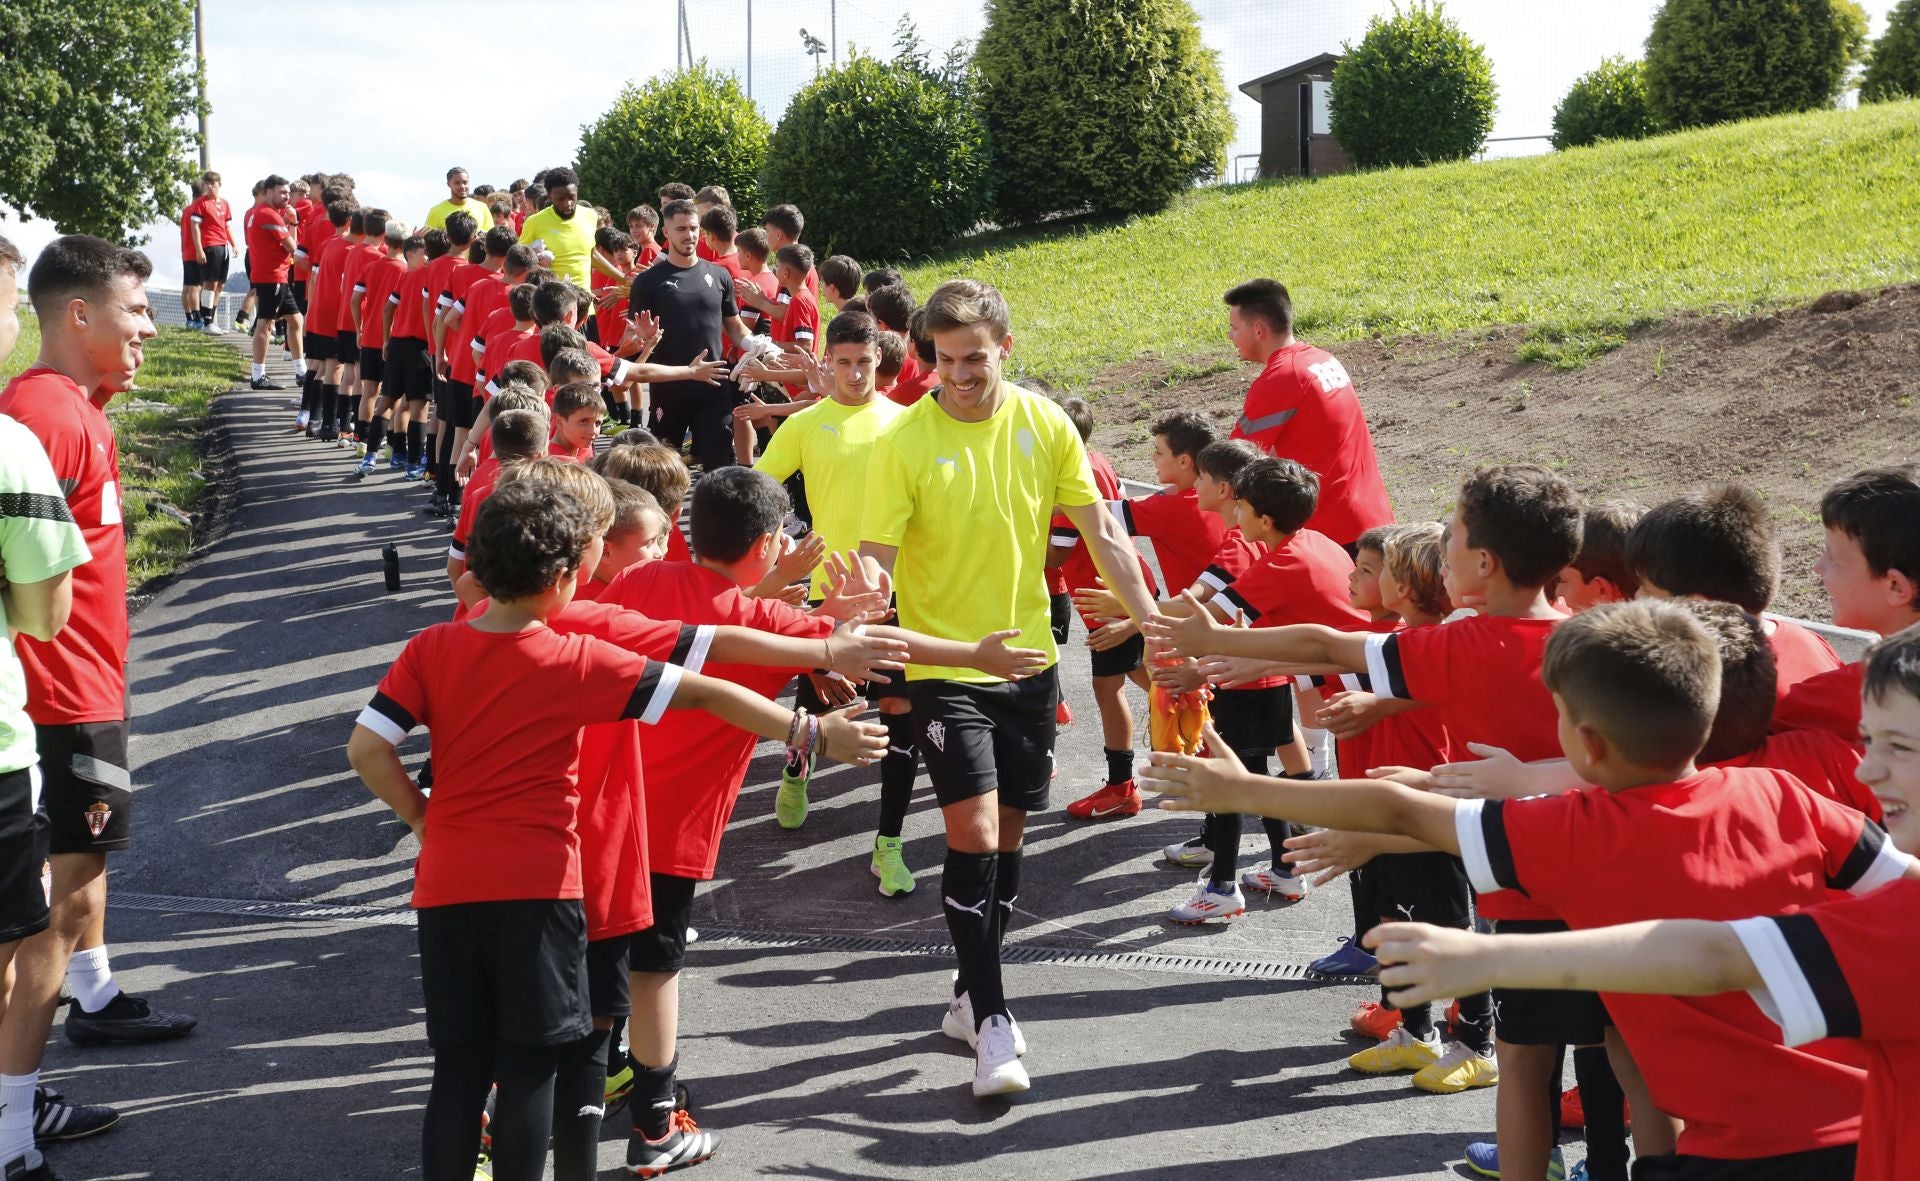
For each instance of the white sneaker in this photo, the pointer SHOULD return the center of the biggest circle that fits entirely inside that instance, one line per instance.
(958, 1024)
(1192, 854)
(214, 330)
(996, 1063)
(1206, 906)
(1266, 881)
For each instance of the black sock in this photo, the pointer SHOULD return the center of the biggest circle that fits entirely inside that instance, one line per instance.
(1475, 1026)
(1605, 1105)
(896, 774)
(373, 431)
(522, 1121)
(416, 443)
(310, 396)
(443, 469)
(1006, 891)
(1419, 1019)
(1366, 913)
(579, 1104)
(652, 1098)
(1119, 765)
(450, 1133)
(967, 888)
(1223, 841)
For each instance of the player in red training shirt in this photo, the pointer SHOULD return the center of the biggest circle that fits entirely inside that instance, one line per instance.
(1302, 406)
(92, 331)
(270, 247)
(497, 886)
(210, 229)
(1636, 685)
(1835, 970)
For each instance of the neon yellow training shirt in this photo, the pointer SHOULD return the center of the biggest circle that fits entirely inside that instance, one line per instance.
(831, 442)
(569, 240)
(482, 216)
(970, 507)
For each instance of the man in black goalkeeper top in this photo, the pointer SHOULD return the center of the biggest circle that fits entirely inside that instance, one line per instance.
(693, 300)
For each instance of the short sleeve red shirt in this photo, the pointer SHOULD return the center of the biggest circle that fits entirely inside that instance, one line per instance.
(1302, 580)
(1798, 653)
(323, 288)
(502, 347)
(479, 487)
(1185, 537)
(186, 233)
(769, 286)
(482, 298)
(698, 761)
(437, 276)
(1723, 844)
(353, 265)
(1079, 572)
(383, 284)
(1845, 970)
(503, 714)
(677, 548)
(269, 247)
(314, 233)
(1234, 556)
(81, 674)
(215, 219)
(405, 298)
(1828, 701)
(801, 324)
(1303, 407)
(1820, 761)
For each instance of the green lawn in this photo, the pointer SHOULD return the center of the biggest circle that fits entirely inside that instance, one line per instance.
(1579, 244)
(161, 426)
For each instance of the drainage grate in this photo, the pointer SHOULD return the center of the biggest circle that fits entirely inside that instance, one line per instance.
(1017, 953)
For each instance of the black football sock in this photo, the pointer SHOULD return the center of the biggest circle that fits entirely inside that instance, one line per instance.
(967, 890)
(1475, 1026)
(896, 774)
(579, 1103)
(310, 395)
(1119, 765)
(1223, 841)
(522, 1122)
(1006, 891)
(443, 469)
(1605, 1105)
(329, 405)
(652, 1098)
(416, 443)
(373, 431)
(1419, 1020)
(450, 1130)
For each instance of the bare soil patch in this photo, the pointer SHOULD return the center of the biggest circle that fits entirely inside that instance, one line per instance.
(1782, 402)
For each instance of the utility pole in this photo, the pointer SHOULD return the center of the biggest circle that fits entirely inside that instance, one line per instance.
(749, 48)
(200, 59)
(686, 31)
(833, 28)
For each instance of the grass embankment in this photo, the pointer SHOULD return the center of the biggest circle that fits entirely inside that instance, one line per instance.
(1581, 245)
(161, 426)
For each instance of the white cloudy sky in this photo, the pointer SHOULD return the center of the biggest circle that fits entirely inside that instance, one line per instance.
(395, 93)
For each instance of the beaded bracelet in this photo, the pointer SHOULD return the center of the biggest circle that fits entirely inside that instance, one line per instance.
(795, 727)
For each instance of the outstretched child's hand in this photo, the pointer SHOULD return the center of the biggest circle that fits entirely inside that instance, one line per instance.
(1112, 634)
(1182, 676)
(1412, 777)
(994, 657)
(799, 559)
(1350, 713)
(1421, 963)
(1191, 783)
(1328, 853)
(1182, 626)
(833, 688)
(848, 741)
(853, 653)
(1099, 603)
(1495, 775)
(1235, 672)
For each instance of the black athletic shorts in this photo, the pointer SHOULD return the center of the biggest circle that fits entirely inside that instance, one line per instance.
(463, 407)
(373, 366)
(1422, 888)
(300, 295)
(23, 848)
(346, 347)
(1546, 1017)
(511, 972)
(189, 273)
(1121, 660)
(273, 301)
(219, 263)
(1253, 721)
(89, 793)
(609, 993)
(409, 375)
(978, 738)
(1820, 1164)
(663, 946)
(319, 345)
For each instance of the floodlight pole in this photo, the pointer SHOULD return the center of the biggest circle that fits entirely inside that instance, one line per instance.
(200, 59)
(833, 28)
(749, 48)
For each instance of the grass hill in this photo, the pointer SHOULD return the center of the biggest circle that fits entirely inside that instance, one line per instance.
(1578, 245)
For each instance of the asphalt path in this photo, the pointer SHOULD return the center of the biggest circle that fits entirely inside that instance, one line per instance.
(265, 893)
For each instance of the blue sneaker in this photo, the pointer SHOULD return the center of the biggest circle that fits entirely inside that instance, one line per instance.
(416, 471)
(398, 463)
(365, 467)
(1349, 959)
(1484, 1159)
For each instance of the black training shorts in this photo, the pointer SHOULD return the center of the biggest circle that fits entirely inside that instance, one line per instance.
(663, 946)
(1121, 660)
(1253, 721)
(300, 295)
(23, 849)
(1546, 1017)
(346, 346)
(319, 345)
(189, 273)
(609, 991)
(219, 263)
(512, 972)
(88, 792)
(1422, 888)
(273, 301)
(409, 374)
(1819, 1164)
(996, 736)
(373, 366)
(463, 407)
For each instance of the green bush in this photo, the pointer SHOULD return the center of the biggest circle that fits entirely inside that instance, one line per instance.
(1713, 61)
(695, 126)
(1109, 105)
(1608, 102)
(1416, 90)
(886, 159)
(1894, 71)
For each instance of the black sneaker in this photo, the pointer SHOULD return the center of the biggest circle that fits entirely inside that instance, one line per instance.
(31, 1167)
(124, 1019)
(684, 1144)
(266, 383)
(56, 1119)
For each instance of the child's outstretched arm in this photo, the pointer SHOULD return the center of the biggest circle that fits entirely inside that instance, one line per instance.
(841, 737)
(1186, 627)
(1676, 957)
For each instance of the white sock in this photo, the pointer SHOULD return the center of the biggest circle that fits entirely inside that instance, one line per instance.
(1319, 749)
(300, 369)
(259, 371)
(90, 978)
(206, 301)
(16, 1115)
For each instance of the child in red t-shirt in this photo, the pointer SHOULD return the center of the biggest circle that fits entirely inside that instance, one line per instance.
(638, 535)
(517, 434)
(578, 411)
(1839, 969)
(1602, 573)
(497, 886)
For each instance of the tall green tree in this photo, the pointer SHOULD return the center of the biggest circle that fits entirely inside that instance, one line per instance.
(696, 126)
(1416, 90)
(1894, 71)
(97, 98)
(1114, 106)
(1714, 61)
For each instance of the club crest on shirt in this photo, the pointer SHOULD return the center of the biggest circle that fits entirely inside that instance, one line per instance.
(1024, 440)
(937, 734)
(708, 276)
(97, 817)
